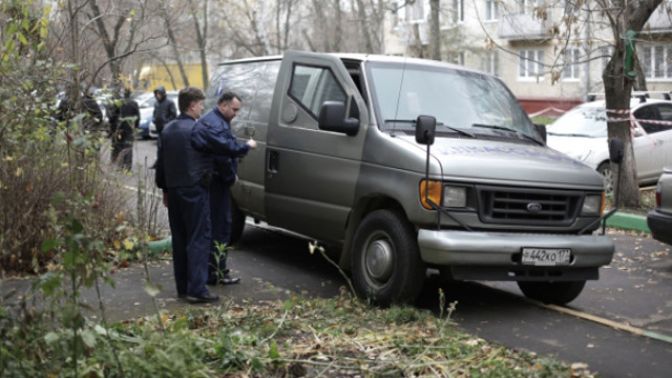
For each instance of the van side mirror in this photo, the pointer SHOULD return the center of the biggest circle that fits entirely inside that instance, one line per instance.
(541, 130)
(616, 150)
(425, 129)
(332, 118)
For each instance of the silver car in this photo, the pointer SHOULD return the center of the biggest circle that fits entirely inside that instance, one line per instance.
(660, 219)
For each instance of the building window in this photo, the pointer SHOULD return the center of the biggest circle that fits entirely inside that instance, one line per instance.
(458, 11)
(570, 71)
(456, 58)
(491, 10)
(530, 63)
(491, 63)
(655, 61)
(415, 11)
(527, 6)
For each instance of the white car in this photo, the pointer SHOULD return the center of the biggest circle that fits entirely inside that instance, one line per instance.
(581, 134)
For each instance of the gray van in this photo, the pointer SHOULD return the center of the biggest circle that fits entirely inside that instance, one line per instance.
(409, 164)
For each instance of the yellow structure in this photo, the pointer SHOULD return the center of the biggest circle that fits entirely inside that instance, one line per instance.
(153, 76)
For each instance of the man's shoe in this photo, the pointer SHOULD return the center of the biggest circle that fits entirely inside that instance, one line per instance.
(182, 296)
(205, 298)
(227, 279)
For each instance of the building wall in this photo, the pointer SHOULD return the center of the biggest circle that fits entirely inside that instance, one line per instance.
(470, 38)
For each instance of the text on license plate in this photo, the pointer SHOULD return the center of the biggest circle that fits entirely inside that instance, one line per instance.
(546, 256)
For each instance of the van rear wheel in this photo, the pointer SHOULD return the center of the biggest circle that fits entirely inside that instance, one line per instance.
(386, 264)
(552, 292)
(237, 223)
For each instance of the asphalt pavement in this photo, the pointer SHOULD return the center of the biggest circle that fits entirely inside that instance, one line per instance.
(635, 290)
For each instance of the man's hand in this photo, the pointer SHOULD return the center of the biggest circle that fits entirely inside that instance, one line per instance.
(165, 199)
(252, 143)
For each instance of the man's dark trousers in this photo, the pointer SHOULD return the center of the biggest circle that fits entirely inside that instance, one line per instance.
(189, 215)
(220, 213)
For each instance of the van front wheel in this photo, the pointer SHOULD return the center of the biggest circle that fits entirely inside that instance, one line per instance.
(552, 292)
(386, 264)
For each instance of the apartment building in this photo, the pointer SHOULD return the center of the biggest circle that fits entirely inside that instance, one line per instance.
(526, 43)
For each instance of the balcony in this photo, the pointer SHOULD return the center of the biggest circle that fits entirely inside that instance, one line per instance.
(522, 26)
(659, 22)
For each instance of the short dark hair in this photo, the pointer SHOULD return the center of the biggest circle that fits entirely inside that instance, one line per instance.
(187, 96)
(227, 97)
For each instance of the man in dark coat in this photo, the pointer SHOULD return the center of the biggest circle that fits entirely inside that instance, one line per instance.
(184, 174)
(164, 109)
(215, 125)
(123, 122)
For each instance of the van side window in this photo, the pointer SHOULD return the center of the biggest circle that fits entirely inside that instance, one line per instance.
(312, 86)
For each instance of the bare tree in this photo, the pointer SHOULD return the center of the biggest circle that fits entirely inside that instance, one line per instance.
(201, 37)
(435, 30)
(172, 41)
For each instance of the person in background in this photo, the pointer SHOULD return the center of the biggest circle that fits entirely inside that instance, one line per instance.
(164, 109)
(212, 135)
(123, 122)
(184, 175)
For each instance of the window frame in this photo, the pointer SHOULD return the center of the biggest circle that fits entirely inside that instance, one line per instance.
(300, 102)
(571, 64)
(491, 11)
(538, 73)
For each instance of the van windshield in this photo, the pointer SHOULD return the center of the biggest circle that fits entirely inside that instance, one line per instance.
(469, 101)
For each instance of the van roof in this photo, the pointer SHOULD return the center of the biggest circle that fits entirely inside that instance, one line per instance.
(362, 57)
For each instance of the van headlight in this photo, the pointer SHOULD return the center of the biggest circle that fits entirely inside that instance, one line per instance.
(454, 196)
(593, 205)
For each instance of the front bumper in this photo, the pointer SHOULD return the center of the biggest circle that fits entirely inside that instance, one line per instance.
(497, 254)
(660, 225)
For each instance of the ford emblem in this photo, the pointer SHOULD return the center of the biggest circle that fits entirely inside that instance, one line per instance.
(534, 207)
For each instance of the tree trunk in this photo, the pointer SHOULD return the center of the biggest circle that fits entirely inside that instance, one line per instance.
(338, 30)
(617, 95)
(173, 44)
(365, 31)
(435, 30)
(201, 38)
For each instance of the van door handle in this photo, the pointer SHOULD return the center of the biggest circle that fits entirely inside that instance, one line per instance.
(273, 162)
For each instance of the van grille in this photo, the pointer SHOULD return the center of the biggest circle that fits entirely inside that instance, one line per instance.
(528, 206)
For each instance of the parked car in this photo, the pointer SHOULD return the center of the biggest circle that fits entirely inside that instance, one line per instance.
(146, 103)
(660, 219)
(581, 134)
(339, 160)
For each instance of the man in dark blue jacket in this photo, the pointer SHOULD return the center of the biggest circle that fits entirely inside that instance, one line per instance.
(212, 135)
(164, 109)
(184, 175)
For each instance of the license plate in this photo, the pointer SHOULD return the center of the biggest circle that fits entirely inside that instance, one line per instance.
(546, 256)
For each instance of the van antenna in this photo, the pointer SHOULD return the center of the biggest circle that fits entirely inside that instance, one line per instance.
(401, 84)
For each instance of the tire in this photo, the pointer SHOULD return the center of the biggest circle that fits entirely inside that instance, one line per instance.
(385, 236)
(608, 176)
(237, 223)
(552, 292)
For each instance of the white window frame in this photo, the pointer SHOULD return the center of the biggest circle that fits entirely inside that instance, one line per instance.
(412, 10)
(527, 6)
(491, 10)
(571, 70)
(532, 61)
(457, 16)
(491, 63)
(655, 68)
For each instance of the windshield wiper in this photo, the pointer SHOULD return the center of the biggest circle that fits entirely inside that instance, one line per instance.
(455, 129)
(503, 128)
(571, 135)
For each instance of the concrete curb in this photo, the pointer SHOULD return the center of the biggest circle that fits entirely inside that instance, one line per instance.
(628, 221)
(160, 245)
